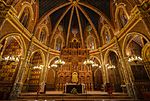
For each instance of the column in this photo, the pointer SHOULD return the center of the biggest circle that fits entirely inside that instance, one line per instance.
(17, 87)
(44, 74)
(104, 69)
(126, 73)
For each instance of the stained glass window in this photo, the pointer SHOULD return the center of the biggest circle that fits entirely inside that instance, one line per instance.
(42, 35)
(58, 44)
(91, 43)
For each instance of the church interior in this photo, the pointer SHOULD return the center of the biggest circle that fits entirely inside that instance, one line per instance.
(74, 48)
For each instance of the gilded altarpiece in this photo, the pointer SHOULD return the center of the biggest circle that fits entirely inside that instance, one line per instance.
(74, 71)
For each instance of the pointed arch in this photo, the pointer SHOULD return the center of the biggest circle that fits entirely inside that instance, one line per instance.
(124, 16)
(126, 39)
(44, 28)
(96, 58)
(26, 13)
(107, 54)
(20, 40)
(53, 59)
(42, 55)
(57, 37)
(105, 34)
(91, 42)
(145, 52)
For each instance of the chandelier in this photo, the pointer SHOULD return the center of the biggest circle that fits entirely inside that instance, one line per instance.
(88, 62)
(53, 65)
(110, 66)
(95, 65)
(134, 58)
(11, 58)
(38, 67)
(59, 62)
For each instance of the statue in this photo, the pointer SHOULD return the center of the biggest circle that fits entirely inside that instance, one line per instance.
(74, 77)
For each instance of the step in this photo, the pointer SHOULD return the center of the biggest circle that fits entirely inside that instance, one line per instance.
(72, 96)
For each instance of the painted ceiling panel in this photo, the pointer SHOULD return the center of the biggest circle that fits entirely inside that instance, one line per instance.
(46, 5)
(56, 15)
(85, 13)
(103, 5)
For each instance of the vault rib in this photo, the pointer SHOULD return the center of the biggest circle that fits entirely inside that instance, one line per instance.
(58, 22)
(90, 21)
(80, 27)
(69, 26)
(52, 11)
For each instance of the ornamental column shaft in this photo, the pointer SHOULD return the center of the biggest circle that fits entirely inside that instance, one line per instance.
(126, 73)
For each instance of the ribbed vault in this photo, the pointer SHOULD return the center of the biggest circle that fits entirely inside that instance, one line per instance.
(74, 16)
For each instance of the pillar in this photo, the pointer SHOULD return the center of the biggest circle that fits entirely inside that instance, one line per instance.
(18, 84)
(104, 69)
(126, 72)
(44, 74)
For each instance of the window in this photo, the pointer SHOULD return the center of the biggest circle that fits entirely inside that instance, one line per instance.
(42, 36)
(58, 44)
(91, 43)
(122, 18)
(107, 36)
(25, 18)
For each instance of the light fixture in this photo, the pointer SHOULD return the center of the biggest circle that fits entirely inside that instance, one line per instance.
(88, 62)
(94, 65)
(54, 65)
(110, 66)
(38, 67)
(134, 58)
(100, 66)
(11, 58)
(59, 62)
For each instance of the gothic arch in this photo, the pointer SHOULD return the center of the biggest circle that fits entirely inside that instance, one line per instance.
(42, 55)
(98, 79)
(113, 69)
(118, 8)
(20, 41)
(105, 27)
(126, 40)
(53, 59)
(31, 12)
(94, 39)
(146, 54)
(50, 63)
(96, 58)
(107, 54)
(45, 29)
(62, 39)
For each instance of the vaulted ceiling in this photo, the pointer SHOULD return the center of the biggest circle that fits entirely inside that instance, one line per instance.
(75, 14)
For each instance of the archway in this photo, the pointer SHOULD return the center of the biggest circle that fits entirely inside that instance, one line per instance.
(98, 80)
(114, 71)
(11, 52)
(136, 61)
(51, 77)
(36, 65)
(97, 74)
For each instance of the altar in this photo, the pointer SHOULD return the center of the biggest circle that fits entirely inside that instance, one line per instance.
(71, 87)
